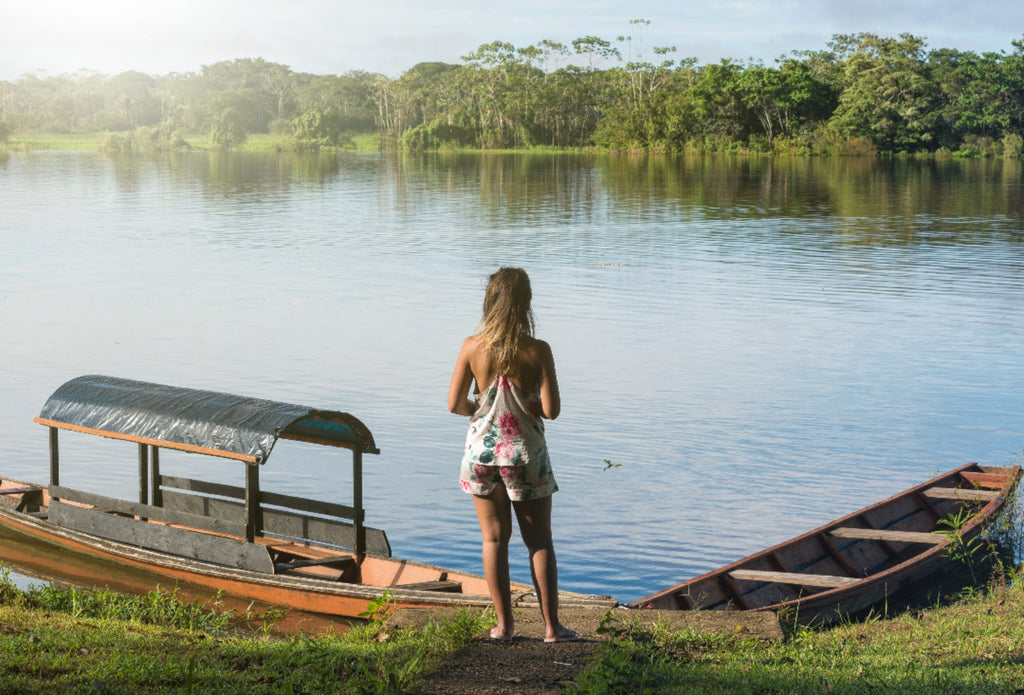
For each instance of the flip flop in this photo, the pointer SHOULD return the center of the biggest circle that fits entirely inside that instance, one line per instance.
(500, 637)
(567, 636)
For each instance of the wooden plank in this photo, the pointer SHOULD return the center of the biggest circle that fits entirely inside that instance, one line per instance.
(993, 480)
(202, 486)
(167, 539)
(958, 493)
(335, 562)
(168, 516)
(307, 505)
(794, 578)
(340, 533)
(226, 510)
(18, 490)
(280, 522)
(883, 535)
(445, 586)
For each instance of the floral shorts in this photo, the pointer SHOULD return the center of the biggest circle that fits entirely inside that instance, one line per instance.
(525, 482)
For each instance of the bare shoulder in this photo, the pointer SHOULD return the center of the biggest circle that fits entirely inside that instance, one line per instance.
(536, 347)
(472, 345)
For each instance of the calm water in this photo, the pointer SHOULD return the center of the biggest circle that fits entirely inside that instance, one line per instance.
(756, 346)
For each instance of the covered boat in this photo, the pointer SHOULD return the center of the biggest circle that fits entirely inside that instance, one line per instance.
(280, 549)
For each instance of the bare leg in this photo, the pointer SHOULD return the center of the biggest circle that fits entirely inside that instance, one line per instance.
(534, 518)
(495, 515)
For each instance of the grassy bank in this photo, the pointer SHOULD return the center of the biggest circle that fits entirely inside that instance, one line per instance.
(62, 641)
(66, 641)
(973, 645)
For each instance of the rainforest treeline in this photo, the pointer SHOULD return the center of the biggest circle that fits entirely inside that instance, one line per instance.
(863, 94)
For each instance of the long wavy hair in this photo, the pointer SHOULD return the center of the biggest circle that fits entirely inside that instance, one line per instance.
(507, 316)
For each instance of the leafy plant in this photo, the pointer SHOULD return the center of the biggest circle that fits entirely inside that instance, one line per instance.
(965, 552)
(380, 609)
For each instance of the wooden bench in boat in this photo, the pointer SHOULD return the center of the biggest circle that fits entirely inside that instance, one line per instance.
(441, 585)
(871, 534)
(959, 493)
(794, 578)
(342, 563)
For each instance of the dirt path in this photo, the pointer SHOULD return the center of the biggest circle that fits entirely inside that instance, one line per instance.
(529, 666)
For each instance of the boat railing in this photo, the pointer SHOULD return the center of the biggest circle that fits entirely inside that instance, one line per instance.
(279, 514)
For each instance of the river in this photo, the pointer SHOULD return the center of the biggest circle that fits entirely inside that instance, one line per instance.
(746, 348)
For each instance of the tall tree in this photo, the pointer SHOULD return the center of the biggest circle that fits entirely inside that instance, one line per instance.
(889, 97)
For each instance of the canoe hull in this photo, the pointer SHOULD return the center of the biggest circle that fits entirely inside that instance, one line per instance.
(855, 562)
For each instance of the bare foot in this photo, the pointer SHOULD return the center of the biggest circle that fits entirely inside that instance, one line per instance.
(501, 635)
(563, 634)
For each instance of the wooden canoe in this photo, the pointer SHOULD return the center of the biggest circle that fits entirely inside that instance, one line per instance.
(853, 563)
(281, 550)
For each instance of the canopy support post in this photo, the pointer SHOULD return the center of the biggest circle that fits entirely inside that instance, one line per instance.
(253, 517)
(54, 458)
(357, 501)
(154, 475)
(143, 474)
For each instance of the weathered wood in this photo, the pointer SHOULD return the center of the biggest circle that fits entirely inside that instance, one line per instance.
(958, 493)
(253, 516)
(154, 473)
(167, 539)
(143, 474)
(18, 490)
(307, 505)
(202, 486)
(163, 514)
(342, 563)
(992, 480)
(441, 585)
(54, 457)
(280, 522)
(883, 535)
(795, 578)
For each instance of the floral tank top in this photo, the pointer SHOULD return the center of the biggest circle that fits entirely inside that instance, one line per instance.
(506, 429)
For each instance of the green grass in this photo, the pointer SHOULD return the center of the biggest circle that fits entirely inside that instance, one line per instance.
(973, 645)
(66, 641)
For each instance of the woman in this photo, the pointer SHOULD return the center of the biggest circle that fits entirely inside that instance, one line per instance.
(506, 466)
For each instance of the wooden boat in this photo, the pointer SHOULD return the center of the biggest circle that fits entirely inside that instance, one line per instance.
(282, 550)
(851, 564)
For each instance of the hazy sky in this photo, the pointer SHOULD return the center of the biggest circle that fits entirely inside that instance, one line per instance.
(389, 36)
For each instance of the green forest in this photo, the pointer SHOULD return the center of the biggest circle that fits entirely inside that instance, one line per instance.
(863, 94)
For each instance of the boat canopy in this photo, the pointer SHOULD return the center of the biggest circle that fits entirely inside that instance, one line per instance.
(219, 424)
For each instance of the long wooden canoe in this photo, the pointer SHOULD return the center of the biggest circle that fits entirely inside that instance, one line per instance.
(853, 563)
(282, 550)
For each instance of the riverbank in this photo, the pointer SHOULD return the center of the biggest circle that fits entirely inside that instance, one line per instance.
(74, 642)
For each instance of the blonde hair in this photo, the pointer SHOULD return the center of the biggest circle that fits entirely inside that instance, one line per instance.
(507, 316)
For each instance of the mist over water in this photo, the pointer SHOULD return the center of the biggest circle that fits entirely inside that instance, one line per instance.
(756, 346)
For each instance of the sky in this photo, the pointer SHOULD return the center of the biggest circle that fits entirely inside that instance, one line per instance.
(158, 37)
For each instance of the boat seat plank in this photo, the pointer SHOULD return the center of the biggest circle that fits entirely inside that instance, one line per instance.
(883, 535)
(19, 490)
(957, 493)
(795, 578)
(992, 480)
(442, 585)
(335, 562)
